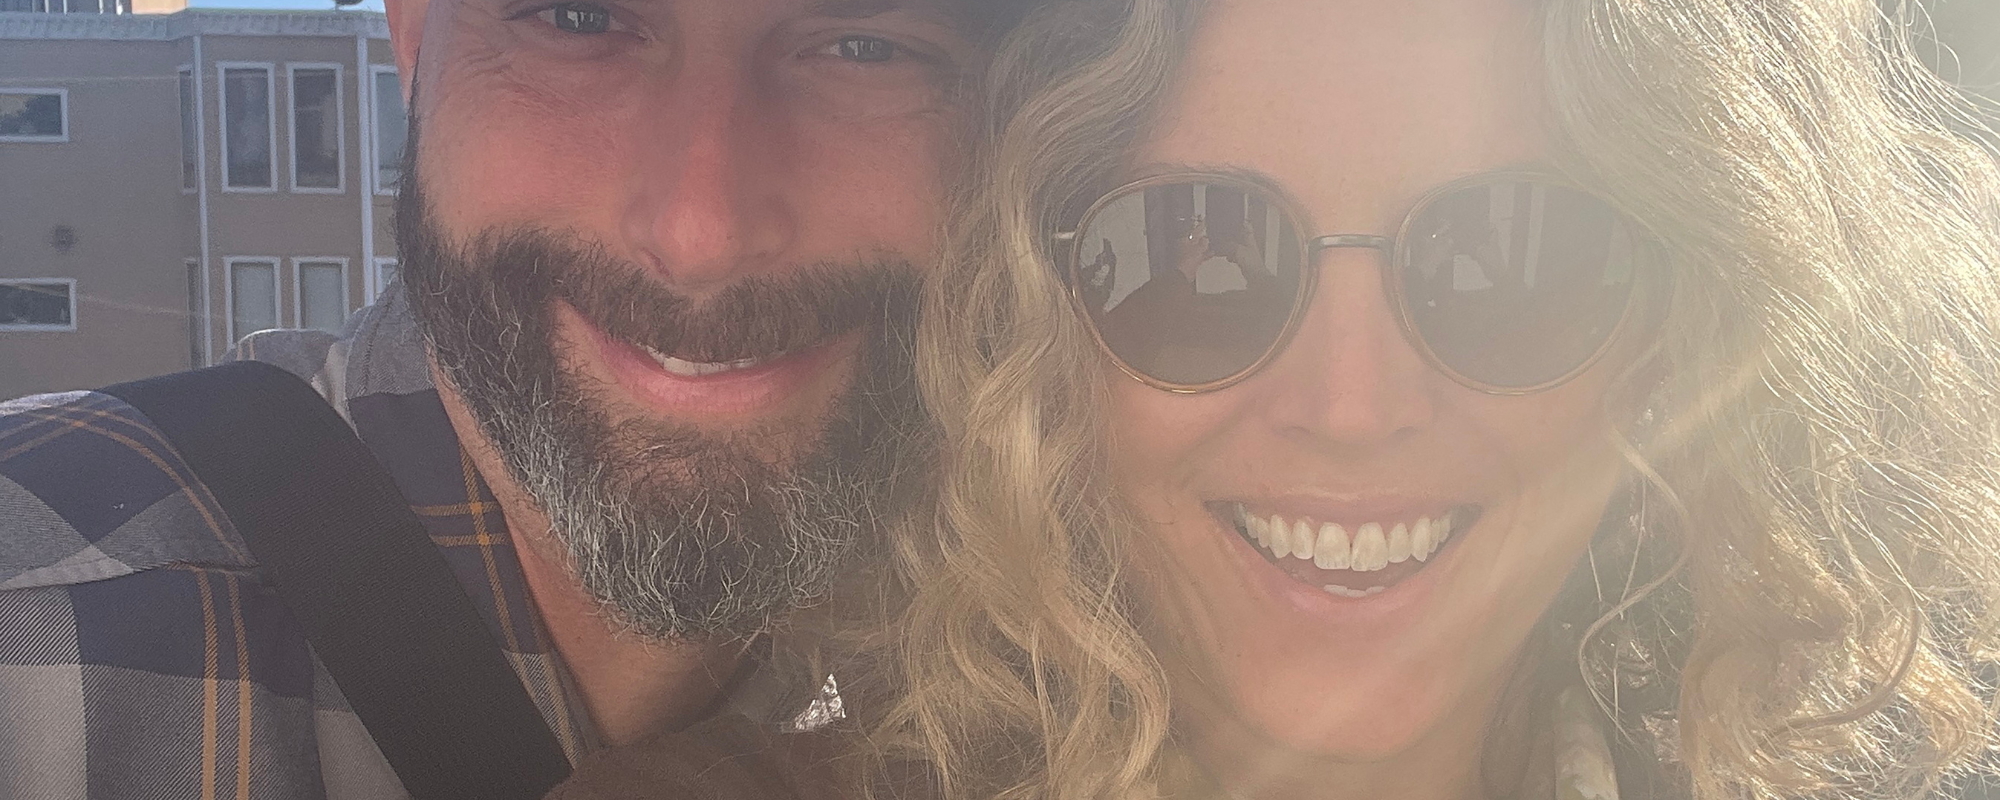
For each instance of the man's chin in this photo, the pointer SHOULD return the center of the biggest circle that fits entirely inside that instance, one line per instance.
(695, 500)
(684, 532)
(687, 511)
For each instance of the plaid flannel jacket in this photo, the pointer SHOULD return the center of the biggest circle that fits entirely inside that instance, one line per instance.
(142, 656)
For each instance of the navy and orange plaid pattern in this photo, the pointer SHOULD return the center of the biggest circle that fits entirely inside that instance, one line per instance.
(141, 656)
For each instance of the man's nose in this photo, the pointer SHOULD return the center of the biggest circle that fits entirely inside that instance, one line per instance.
(707, 203)
(1349, 379)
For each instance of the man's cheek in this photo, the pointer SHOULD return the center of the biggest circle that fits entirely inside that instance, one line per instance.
(516, 158)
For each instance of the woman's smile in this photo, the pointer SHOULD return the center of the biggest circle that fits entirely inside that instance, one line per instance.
(1348, 558)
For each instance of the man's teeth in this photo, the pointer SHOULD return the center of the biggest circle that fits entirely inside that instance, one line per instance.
(696, 369)
(1330, 546)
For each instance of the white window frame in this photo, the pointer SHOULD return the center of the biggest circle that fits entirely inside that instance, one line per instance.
(33, 327)
(193, 107)
(375, 129)
(339, 127)
(375, 275)
(299, 286)
(270, 69)
(229, 293)
(60, 92)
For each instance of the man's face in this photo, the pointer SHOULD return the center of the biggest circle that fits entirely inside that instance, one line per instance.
(665, 253)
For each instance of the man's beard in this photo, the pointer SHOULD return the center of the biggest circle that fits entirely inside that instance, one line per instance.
(682, 533)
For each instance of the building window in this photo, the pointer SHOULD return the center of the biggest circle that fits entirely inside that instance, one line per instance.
(37, 304)
(68, 6)
(322, 287)
(248, 137)
(316, 127)
(190, 148)
(386, 272)
(197, 316)
(34, 115)
(253, 296)
(391, 127)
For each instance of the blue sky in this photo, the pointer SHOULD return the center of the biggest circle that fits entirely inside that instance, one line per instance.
(315, 5)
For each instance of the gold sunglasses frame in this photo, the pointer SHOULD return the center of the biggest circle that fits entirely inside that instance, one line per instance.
(1393, 261)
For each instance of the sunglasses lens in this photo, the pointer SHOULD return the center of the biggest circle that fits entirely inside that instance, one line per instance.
(1188, 283)
(1516, 284)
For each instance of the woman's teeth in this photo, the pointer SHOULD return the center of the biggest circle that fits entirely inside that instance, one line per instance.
(696, 369)
(1369, 547)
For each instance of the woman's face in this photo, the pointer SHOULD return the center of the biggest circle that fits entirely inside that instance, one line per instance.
(1356, 108)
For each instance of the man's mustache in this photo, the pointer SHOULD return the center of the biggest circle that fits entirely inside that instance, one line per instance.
(755, 317)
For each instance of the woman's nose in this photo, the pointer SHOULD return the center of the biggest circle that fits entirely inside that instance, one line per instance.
(1349, 379)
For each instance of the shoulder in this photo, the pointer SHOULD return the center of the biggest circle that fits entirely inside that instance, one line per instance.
(380, 351)
(134, 627)
(90, 490)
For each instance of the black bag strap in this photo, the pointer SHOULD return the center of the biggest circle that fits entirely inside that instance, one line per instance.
(357, 569)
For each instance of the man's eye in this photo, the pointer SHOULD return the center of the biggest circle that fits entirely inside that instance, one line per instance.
(583, 18)
(866, 49)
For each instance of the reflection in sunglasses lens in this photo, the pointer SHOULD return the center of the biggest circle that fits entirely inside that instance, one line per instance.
(1516, 284)
(1511, 284)
(1189, 283)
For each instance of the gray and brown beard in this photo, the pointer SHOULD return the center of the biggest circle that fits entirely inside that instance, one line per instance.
(682, 533)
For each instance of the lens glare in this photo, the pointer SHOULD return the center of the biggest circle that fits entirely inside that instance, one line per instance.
(1514, 284)
(1189, 283)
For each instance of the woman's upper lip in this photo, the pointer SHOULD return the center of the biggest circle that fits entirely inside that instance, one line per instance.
(1362, 508)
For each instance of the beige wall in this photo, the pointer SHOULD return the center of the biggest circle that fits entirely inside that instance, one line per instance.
(118, 183)
(126, 208)
(286, 224)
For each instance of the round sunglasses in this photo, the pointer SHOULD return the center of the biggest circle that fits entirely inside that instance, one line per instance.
(1509, 282)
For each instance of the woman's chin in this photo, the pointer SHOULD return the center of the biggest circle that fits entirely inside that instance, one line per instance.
(1385, 723)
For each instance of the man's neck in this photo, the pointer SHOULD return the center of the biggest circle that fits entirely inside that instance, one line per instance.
(632, 687)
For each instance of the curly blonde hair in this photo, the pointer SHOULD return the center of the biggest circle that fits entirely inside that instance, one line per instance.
(1828, 455)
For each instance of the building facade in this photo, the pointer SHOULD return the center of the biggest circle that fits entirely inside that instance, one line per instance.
(172, 182)
(93, 6)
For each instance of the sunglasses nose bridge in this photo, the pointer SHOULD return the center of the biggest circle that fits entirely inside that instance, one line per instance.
(1336, 241)
(1317, 247)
